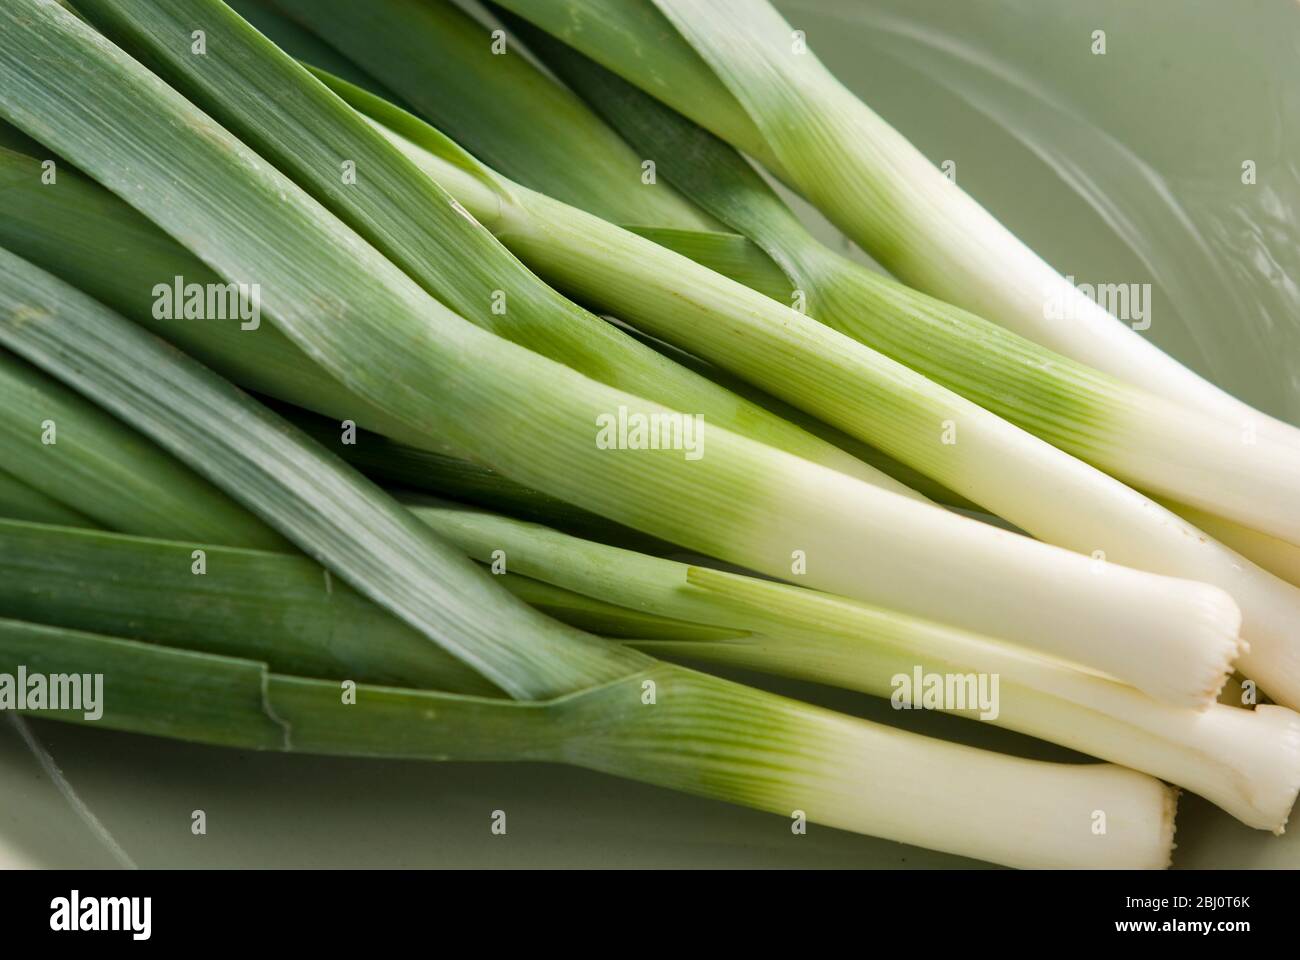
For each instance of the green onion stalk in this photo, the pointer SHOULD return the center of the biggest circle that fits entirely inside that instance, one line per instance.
(381, 335)
(1246, 761)
(44, 216)
(522, 123)
(1075, 408)
(1148, 441)
(700, 735)
(868, 395)
(64, 227)
(711, 737)
(484, 284)
(329, 511)
(276, 608)
(1125, 430)
(738, 69)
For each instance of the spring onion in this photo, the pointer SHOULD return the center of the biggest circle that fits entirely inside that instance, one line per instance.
(1248, 762)
(736, 67)
(1149, 441)
(1016, 378)
(282, 476)
(531, 418)
(485, 284)
(229, 561)
(272, 607)
(557, 240)
(869, 396)
(702, 735)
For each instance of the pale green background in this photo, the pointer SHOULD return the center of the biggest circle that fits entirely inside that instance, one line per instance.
(1117, 168)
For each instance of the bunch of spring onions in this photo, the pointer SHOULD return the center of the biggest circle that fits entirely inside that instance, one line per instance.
(465, 292)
